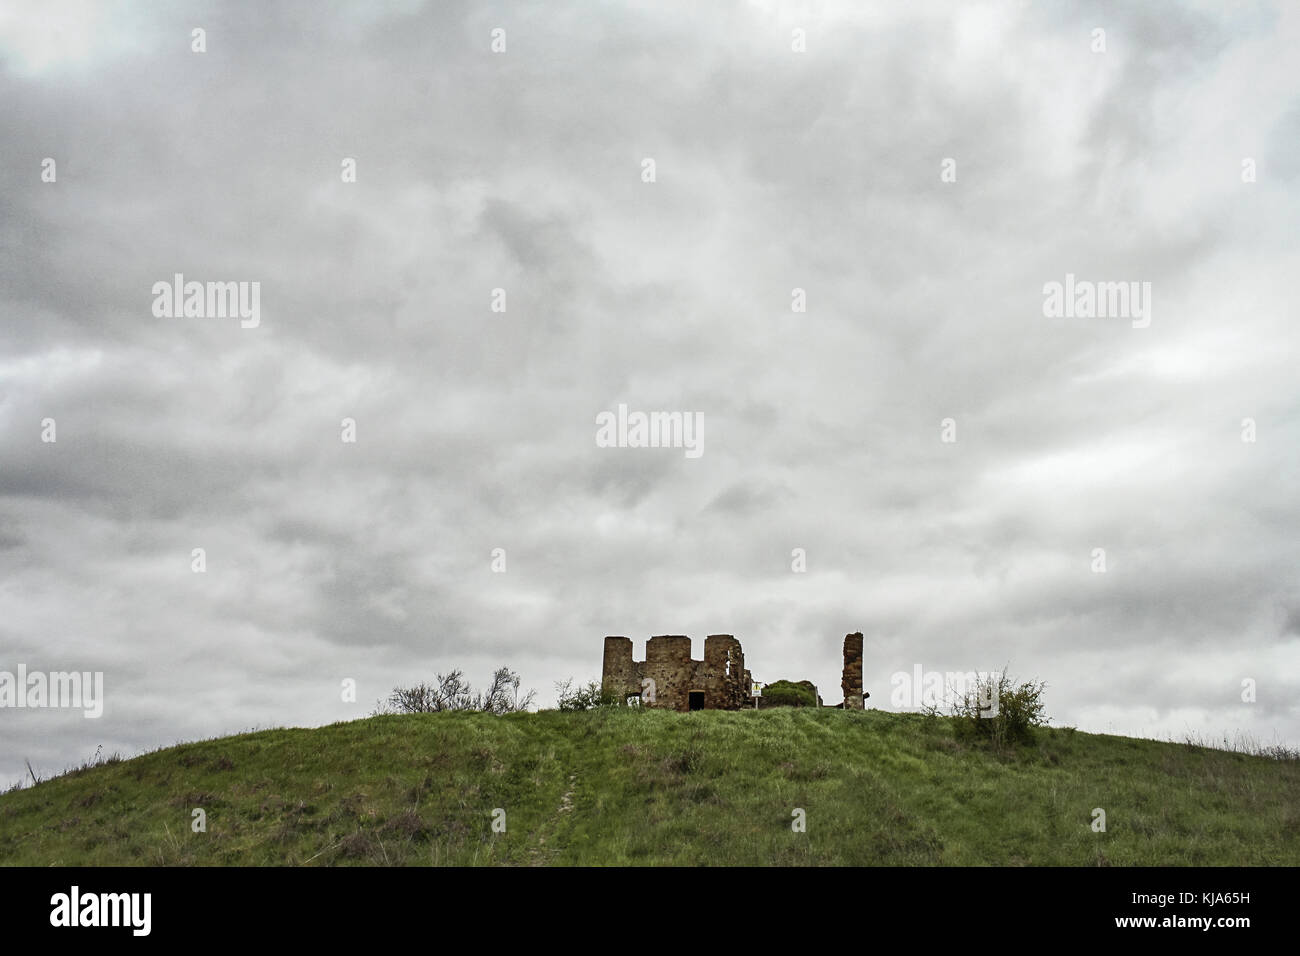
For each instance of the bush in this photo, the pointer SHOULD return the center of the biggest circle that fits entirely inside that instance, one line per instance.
(452, 692)
(784, 693)
(585, 697)
(1019, 710)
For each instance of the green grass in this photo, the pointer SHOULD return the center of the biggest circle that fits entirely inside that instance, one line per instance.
(652, 787)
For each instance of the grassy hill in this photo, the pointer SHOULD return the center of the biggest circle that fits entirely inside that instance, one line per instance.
(643, 787)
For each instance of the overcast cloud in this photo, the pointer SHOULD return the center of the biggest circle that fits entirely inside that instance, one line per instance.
(475, 430)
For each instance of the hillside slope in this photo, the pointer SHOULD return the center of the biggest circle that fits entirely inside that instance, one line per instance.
(649, 787)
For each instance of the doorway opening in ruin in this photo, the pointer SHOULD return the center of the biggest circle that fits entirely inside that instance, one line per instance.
(695, 700)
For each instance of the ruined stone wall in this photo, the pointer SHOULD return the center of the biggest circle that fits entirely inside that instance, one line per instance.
(721, 675)
(620, 674)
(726, 687)
(852, 679)
(668, 663)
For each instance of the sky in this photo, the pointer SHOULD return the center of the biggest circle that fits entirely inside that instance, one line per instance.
(836, 261)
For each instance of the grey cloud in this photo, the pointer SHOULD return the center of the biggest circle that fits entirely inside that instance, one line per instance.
(476, 429)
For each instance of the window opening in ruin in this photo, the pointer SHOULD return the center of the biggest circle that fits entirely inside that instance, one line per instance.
(696, 700)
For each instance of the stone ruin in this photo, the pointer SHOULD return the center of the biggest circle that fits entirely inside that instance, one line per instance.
(851, 681)
(670, 680)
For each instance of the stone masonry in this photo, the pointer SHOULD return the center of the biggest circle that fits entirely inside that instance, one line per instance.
(669, 679)
(852, 680)
(673, 679)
